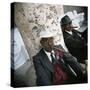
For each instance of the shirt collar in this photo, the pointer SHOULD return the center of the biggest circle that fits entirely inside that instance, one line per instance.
(70, 32)
(49, 52)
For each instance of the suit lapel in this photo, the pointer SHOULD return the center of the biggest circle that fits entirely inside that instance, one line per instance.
(76, 35)
(45, 61)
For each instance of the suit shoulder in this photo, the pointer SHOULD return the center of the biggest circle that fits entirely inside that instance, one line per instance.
(65, 34)
(37, 55)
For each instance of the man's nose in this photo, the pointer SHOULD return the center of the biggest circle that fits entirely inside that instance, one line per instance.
(50, 43)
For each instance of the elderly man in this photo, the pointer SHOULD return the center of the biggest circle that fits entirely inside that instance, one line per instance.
(54, 66)
(74, 41)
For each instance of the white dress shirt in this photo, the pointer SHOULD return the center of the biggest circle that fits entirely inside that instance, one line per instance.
(49, 54)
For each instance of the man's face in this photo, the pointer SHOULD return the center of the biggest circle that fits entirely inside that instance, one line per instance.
(68, 27)
(47, 43)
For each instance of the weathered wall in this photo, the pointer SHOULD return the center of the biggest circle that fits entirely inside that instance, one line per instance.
(32, 18)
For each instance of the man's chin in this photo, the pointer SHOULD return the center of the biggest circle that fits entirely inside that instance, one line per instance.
(49, 49)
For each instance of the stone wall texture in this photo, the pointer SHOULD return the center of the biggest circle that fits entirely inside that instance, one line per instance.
(31, 18)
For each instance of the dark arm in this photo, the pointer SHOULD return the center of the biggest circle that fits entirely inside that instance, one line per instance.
(74, 43)
(79, 70)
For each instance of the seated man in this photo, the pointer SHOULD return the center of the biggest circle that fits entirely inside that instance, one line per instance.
(54, 66)
(74, 41)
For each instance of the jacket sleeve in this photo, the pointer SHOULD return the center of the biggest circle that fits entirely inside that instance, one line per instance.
(70, 60)
(75, 43)
(42, 76)
(70, 41)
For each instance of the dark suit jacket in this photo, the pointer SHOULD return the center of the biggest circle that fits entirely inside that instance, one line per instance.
(44, 68)
(76, 45)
